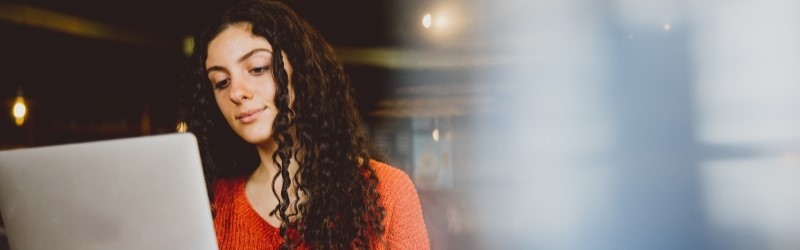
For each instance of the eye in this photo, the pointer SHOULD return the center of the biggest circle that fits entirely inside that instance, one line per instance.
(222, 84)
(259, 70)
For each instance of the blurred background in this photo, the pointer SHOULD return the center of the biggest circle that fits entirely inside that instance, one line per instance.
(538, 124)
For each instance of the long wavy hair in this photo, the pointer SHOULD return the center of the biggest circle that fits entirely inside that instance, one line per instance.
(320, 129)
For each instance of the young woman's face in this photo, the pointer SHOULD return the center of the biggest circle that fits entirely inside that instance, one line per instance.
(239, 66)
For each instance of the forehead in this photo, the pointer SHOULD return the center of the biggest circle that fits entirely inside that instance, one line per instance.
(233, 42)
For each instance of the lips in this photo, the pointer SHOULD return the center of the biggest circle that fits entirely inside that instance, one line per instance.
(249, 116)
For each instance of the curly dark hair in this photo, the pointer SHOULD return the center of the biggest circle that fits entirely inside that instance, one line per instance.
(320, 130)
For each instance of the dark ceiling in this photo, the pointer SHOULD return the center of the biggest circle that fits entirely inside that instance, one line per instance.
(51, 64)
(349, 22)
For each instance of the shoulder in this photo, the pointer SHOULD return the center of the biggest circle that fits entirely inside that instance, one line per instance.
(225, 183)
(226, 186)
(391, 179)
(405, 226)
(394, 186)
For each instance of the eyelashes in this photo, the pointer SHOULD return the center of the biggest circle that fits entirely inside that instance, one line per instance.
(256, 71)
(222, 84)
(259, 70)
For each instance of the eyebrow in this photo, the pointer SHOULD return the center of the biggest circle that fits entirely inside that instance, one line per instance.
(240, 60)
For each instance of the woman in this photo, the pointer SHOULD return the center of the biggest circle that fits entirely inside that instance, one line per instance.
(279, 132)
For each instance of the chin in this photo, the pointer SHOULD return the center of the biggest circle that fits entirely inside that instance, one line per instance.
(255, 137)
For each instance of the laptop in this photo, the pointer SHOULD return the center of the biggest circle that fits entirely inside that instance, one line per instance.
(135, 193)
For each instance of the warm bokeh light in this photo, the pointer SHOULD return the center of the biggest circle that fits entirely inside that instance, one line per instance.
(19, 111)
(188, 45)
(435, 135)
(444, 21)
(182, 127)
(427, 20)
(439, 21)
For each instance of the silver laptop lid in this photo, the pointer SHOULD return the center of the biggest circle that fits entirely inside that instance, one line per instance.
(136, 193)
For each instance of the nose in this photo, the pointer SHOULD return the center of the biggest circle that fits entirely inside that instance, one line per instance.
(240, 90)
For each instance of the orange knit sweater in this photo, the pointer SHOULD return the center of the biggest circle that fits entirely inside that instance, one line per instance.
(239, 227)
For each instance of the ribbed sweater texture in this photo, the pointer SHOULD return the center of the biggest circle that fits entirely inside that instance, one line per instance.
(239, 227)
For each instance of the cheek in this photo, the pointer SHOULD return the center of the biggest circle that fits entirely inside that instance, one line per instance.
(268, 89)
(224, 107)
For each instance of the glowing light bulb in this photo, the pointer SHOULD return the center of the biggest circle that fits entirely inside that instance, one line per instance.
(182, 127)
(435, 134)
(188, 45)
(427, 20)
(19, 111)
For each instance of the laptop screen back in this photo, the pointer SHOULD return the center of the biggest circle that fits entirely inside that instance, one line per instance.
(136, 193)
